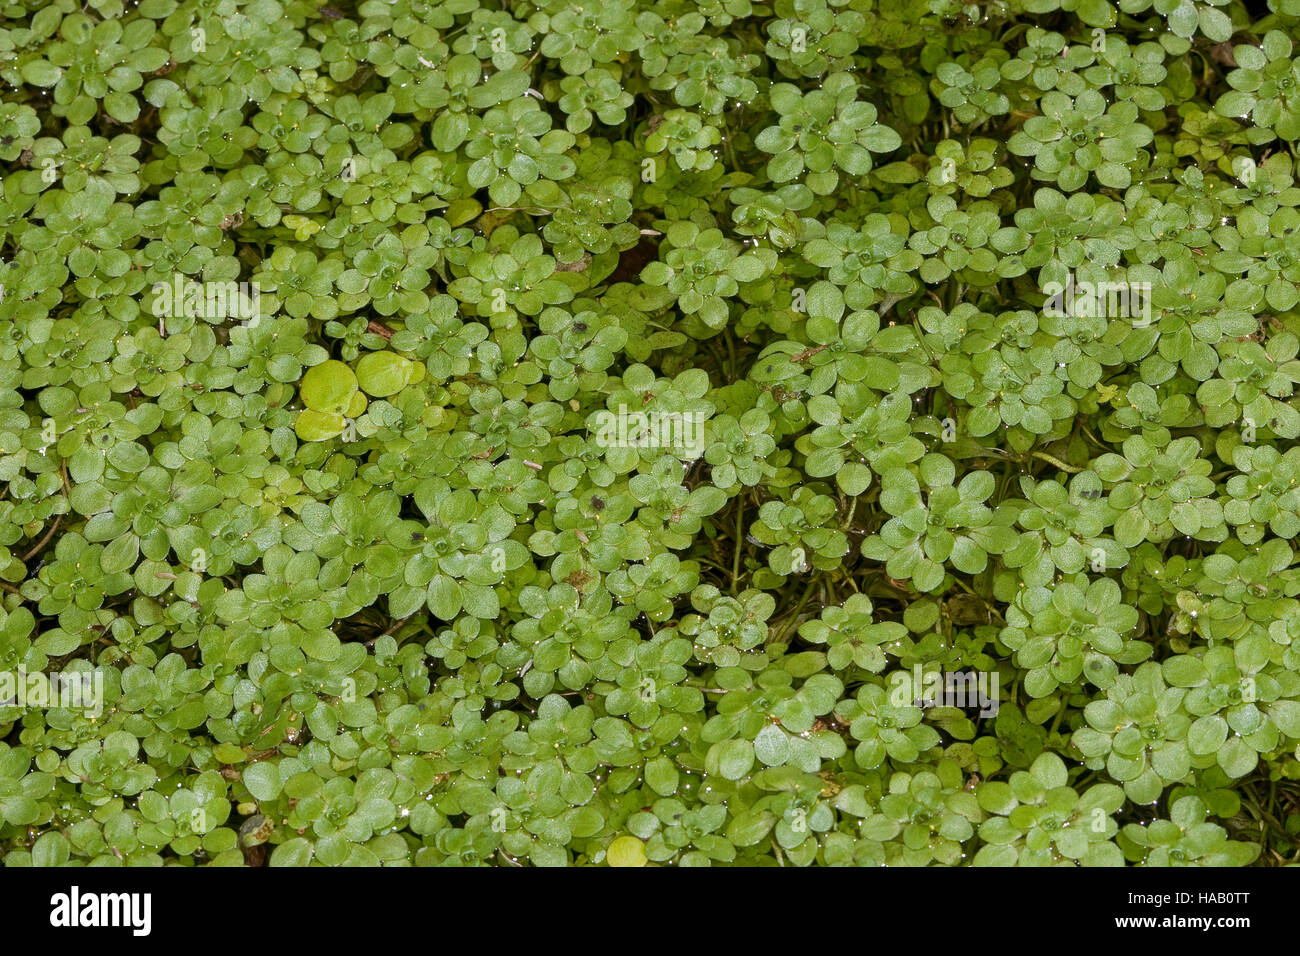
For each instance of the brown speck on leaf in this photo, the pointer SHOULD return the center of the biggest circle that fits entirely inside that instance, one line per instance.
(579, 266)
(578, 580)
(378, 328)
(25, 157)
(331, 13)
(232, 221)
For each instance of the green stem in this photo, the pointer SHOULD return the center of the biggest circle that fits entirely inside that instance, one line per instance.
(983, 600)
(848, 522)
(795, 614)
(1052, 459)
(1060, 713)
(740, 540)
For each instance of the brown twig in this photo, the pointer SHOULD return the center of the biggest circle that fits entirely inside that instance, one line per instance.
(395, 625)
(36, 549)
(808, 353)
(58, 519)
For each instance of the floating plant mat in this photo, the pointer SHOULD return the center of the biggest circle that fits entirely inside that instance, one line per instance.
(818, 432)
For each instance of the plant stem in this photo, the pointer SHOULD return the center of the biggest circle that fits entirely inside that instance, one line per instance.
(740, 540)
(1052, 459)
